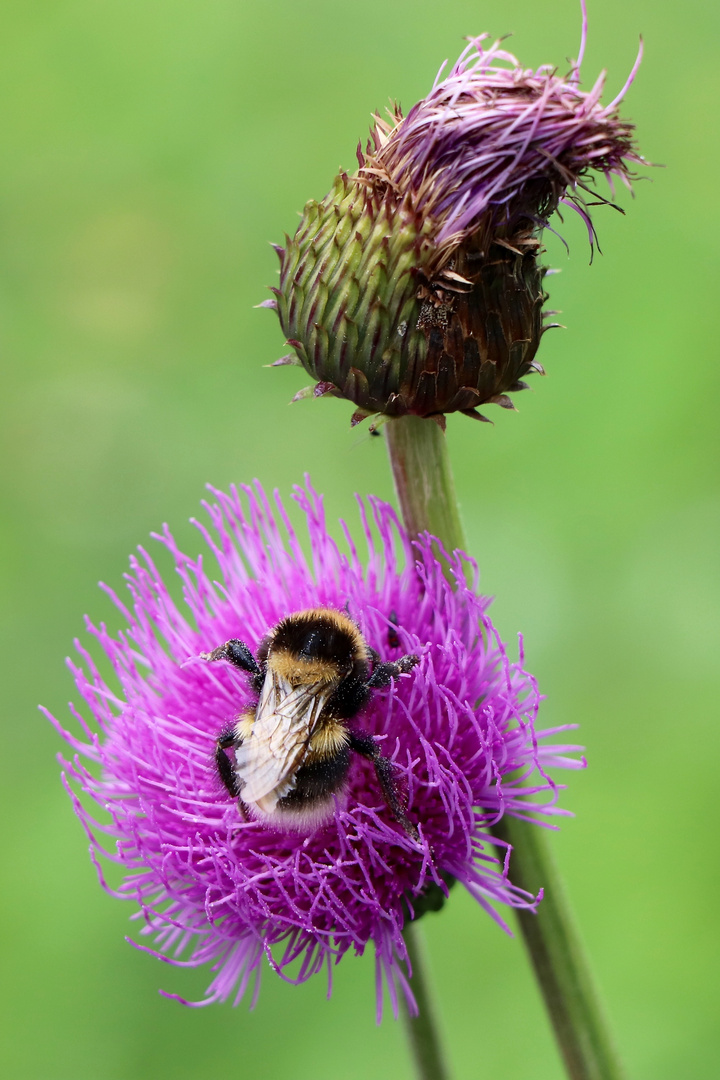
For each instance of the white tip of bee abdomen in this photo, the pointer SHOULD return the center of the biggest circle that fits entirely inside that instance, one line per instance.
(297, 818)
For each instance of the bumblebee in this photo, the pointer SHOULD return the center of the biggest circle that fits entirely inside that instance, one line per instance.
(291, 752)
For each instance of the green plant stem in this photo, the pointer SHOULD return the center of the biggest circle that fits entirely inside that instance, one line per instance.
(422, 1029)
(559, 960)
(424, 480)
(425, 490)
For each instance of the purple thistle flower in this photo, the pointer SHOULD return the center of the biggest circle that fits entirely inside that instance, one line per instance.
(494, 144)
(212, 885)
(414, 286)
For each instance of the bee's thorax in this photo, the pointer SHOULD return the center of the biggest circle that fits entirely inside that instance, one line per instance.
(299, 671)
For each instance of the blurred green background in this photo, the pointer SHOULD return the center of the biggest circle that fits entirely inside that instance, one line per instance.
(152, 148)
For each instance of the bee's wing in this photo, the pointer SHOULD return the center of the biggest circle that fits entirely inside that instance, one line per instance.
(286, 718)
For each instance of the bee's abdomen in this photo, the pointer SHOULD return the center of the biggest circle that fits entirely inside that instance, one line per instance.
(317, 779)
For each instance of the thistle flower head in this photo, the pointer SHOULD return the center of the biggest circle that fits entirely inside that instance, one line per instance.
(415, 286)
(213, 885)
(496, 147)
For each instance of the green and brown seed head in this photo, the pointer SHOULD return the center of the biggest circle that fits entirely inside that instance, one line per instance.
(414, 286)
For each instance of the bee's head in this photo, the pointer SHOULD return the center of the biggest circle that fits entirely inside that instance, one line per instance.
(317, 645)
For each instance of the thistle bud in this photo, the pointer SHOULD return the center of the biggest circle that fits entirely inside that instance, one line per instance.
(415, 285)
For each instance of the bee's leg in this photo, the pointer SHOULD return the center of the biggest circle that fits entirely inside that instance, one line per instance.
(237, 653)
(225, 740)
(385, 770)
(384, 673)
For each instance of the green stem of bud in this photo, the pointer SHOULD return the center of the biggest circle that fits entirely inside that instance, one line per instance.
(425, 489)
(424, 480)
